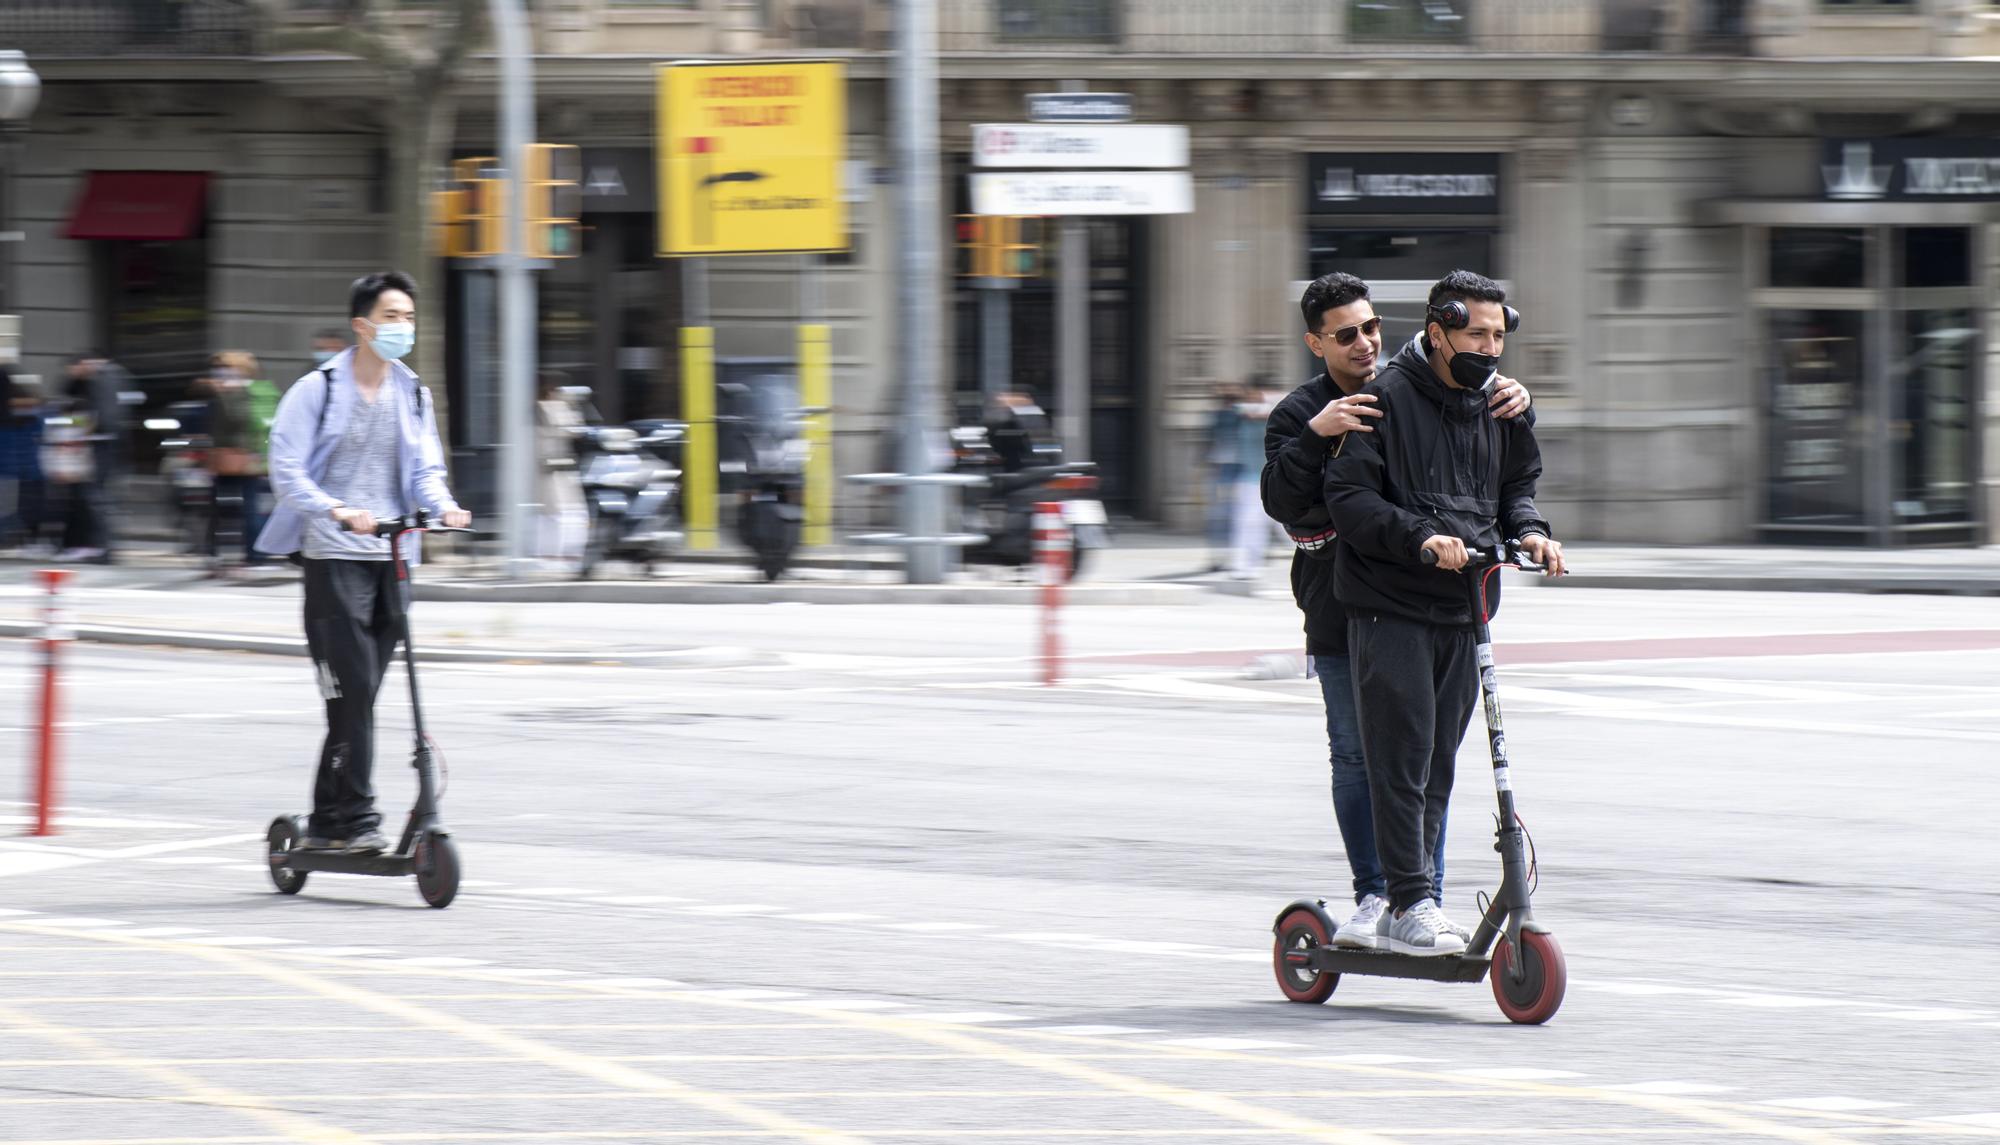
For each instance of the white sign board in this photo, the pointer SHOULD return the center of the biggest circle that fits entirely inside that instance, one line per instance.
(1161, 145)
(1082, 193)
(1080, 107)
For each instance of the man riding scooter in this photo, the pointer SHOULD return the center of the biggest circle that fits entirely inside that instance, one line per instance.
(1441, 473)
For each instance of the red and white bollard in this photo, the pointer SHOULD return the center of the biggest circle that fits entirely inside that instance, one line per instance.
(55, 633)
(1052, 557)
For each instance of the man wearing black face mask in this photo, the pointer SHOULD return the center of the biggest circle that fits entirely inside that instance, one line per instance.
(1439, 473)
(1345, 334)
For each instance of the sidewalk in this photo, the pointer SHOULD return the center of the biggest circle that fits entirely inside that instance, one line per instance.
(1143, 567)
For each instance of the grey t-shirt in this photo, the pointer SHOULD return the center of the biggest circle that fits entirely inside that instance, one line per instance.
(364, 473)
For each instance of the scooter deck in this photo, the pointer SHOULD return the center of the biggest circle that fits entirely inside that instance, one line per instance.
(391, 865)
(1380, 964)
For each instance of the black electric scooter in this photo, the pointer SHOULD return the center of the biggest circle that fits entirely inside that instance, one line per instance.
(1529, 975)
(426, 850)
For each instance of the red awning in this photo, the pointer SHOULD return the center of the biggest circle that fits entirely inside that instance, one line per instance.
(139, 205)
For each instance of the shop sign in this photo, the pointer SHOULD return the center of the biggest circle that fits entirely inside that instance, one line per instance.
(1403, 184)
(1911, 170)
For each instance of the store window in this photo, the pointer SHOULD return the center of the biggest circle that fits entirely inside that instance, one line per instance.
(1409, 19)
(1824, 258)
(1819, 421)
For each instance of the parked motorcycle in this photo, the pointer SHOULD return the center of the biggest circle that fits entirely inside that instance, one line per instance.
(631, 487)
(1002, 508)
(763, 464)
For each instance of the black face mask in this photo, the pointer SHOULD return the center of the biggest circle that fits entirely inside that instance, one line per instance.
(1473, 371)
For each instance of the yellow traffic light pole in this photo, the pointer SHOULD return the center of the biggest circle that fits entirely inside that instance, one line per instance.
(698, 473)
(816, 394)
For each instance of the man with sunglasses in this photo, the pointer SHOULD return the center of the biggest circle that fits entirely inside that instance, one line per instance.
(1344, 332)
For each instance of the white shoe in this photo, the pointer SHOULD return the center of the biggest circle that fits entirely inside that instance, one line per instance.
(1422, 931)
(1463, 934)
(1359, 931)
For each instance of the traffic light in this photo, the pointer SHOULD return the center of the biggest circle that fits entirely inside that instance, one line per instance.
(448, 222)
(970, 230)
(999, 246)
(555, 200)
(1021, 249)
(479, 207)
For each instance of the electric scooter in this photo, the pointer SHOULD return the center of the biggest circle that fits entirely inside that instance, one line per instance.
(426, 850)
(1529, 975)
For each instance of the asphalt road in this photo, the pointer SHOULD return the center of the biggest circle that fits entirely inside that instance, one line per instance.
(874, 884)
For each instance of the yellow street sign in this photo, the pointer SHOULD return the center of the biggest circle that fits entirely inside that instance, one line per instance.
(750, 158)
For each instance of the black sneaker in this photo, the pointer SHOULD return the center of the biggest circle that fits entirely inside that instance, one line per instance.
(368, 842)
(322, 843)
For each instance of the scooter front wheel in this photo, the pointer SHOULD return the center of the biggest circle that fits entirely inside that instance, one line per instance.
(1299, 934)
(1544, 976)
(282, 839)
(437, 869)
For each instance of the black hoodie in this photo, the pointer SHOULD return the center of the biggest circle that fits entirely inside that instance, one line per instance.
(1295, 497)
(1438, 463)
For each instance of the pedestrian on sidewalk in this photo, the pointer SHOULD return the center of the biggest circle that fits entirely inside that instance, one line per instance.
(564, 520)
(23, 488)
(96, 409)
(1224, 467)
(355, 441)
(1251, 531)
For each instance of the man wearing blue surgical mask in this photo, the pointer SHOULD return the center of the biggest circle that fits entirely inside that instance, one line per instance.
(355, 441)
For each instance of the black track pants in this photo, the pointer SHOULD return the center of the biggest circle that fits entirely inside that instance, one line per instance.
(354, 617)
(1415, 685)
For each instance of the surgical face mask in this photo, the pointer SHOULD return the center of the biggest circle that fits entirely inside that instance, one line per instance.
(322, 357)
(392, 340)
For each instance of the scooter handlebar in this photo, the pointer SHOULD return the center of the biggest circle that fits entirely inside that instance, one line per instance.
(419, 522)
(1476, 559)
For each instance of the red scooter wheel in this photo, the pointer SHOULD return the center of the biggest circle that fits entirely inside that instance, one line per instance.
(1299, 934)
(1544, 976)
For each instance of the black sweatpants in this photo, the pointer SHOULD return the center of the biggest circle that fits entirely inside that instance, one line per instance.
(354, 617)
(1415, 685)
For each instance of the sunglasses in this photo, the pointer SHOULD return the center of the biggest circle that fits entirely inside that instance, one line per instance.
(1346, 334)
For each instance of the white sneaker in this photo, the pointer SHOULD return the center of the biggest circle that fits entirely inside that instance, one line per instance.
(1422, 931)
(1463, 934)
(1359, 931)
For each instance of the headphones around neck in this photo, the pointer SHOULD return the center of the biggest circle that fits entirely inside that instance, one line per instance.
(1453, 315)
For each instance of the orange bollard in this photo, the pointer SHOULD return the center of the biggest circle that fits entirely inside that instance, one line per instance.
(55, 633)
(1052, 549)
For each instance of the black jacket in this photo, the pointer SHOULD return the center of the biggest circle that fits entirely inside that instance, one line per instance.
(1438, 463)
(1294, 496)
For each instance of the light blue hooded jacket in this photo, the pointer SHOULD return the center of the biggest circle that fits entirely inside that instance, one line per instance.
(302, 442)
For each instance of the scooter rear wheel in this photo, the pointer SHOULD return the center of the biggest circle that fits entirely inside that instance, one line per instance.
(437, 869)
(280, 841)
(1539, 994)
(1299, 934)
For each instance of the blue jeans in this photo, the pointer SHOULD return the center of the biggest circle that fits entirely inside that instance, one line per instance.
(1352, 808)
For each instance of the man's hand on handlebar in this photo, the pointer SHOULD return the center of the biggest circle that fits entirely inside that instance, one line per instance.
(1544, 551)
(1448, 553)
(355, 520)
(457, 518)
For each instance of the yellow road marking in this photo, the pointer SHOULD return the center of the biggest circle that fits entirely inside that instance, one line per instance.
(302, 1130)
(602, 1069)
(1737, 1117)
(767, 1095)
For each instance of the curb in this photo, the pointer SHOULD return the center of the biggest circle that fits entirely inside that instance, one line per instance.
(714, 657)
(1751, 582)
(639, 592)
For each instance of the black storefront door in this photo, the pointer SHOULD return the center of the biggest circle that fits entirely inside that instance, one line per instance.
(1870, 361)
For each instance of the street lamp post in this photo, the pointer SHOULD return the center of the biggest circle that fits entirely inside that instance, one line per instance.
(20, 91)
